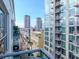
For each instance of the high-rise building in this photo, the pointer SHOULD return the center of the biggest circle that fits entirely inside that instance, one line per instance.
(27, 21)
(65, 28)
(70, 29)
(38, 24)
(8, 14)
(49, 27)
(27, 25)
(52, 27)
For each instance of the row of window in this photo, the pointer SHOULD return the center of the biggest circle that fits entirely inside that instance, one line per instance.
(71, 30)
(73, 48)
(47, 29)
(47, 43)
(71, 56)
(71, 38)
(47, 38)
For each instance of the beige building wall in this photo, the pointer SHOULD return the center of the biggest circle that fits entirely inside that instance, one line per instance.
(37, 39)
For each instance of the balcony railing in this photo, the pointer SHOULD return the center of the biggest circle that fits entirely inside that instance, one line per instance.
(15, 54)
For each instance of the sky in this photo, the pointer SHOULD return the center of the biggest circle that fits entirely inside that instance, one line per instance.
(34, 8)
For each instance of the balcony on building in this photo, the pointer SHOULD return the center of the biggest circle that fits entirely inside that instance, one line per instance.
(57, 56)
(76, 5)
(58, 18)
(58, 12)
(58, 32)
(57, 0)
(58, 52)
(58, 45)
(58, 24)
(58, 39)
(76, 15)
(58, 5)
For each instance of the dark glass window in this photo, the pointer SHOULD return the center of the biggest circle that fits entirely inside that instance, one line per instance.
(46, 43)
(77, 29)
(46, 29)
(71, 30)
(47, 38)
(77, 40)
(71, 38)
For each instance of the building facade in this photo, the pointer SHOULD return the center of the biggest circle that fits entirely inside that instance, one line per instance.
(8, 14)
(49, 42)
(65, 29)
(38, 24)
(37, 37)
(70, 29)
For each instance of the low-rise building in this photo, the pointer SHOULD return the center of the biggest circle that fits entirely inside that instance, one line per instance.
(37, 39)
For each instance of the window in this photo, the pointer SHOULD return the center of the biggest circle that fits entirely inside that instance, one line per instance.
(51, 29)
(77, 40)
(78, 21)
(47, 38)
(71, 38)
(51, 45)
(63, 37)
(46, 33)
(51, 37)
(46, 29)
(71, 56)
(77, 50)
(77, 29)
(71, 47)
(72, 12)
(77, 57)
(71, 21)
(77, 10)
(63, 44)
(71, 30)
(46, 48)
(63, 51)
(63, 29)
(46, 43)
(62, 58)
